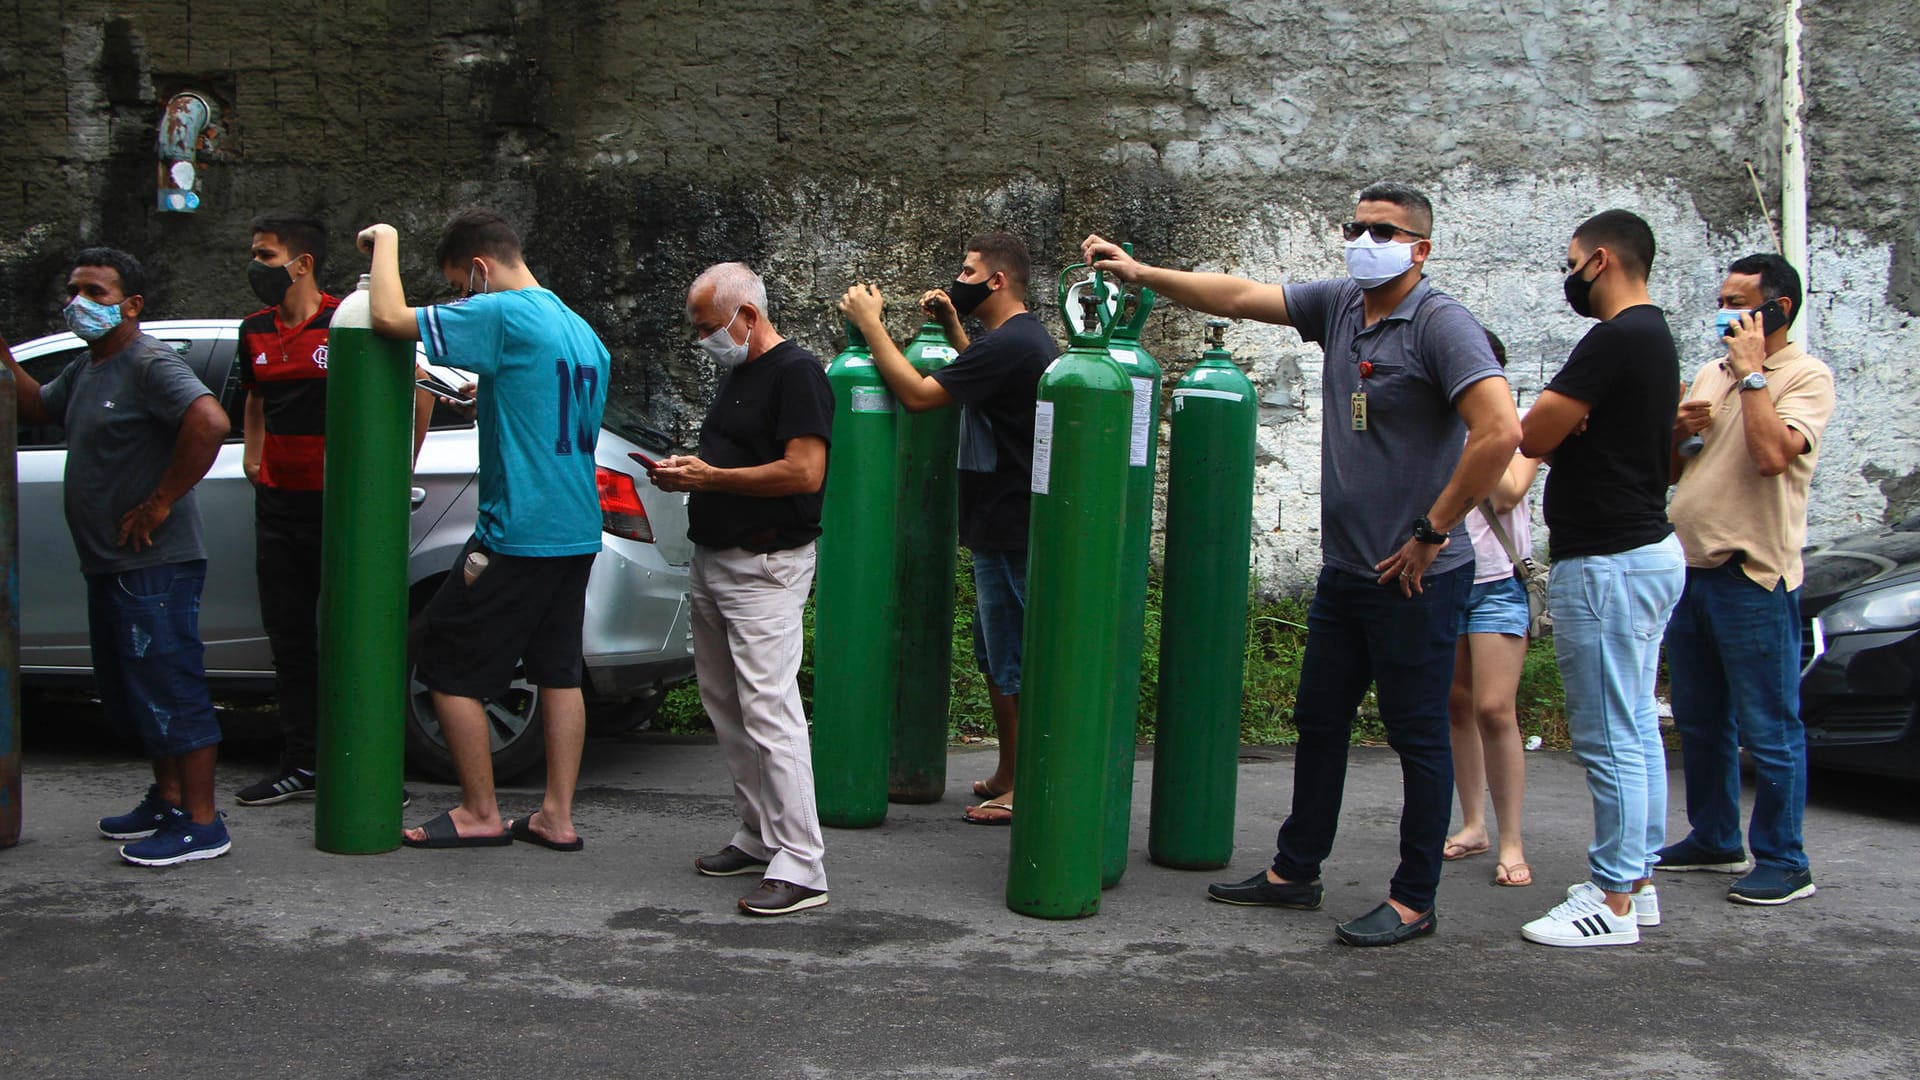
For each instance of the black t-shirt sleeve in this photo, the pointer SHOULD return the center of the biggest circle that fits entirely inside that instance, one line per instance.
(978, 373)
(803, 403)
(1591, 369)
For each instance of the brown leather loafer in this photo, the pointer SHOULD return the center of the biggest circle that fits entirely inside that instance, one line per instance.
(727, 862)
(776, 897)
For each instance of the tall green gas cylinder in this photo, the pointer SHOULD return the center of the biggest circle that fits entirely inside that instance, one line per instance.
(1078, 530)
(363, 584)
(1143, 445)
(855, 641)
(1203, 613)
(927, 538)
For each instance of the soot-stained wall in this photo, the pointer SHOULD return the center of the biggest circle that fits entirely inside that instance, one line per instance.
(636, 143)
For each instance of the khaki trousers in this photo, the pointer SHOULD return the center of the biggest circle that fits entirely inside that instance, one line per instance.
(747, 641)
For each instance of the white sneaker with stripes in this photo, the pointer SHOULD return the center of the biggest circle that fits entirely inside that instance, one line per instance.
(1584, 919)
(1646, 902)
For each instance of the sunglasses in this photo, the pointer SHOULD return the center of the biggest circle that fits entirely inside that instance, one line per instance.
(1381, 231)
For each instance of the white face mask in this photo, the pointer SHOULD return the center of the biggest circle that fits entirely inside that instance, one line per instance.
(1372, 264)
(722, 349)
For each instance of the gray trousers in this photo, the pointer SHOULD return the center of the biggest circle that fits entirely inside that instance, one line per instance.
(747, 641)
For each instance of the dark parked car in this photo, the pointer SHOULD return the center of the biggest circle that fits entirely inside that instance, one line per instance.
(1861, 678)
(637, 638)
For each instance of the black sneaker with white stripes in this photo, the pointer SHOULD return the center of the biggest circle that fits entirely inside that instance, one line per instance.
(1584, 919)
(278, 788)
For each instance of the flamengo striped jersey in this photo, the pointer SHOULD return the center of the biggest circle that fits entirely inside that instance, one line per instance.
(287, 367)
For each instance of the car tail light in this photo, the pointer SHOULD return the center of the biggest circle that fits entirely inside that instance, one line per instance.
(620, 511)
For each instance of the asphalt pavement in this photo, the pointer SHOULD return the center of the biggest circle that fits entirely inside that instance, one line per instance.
(278, 960)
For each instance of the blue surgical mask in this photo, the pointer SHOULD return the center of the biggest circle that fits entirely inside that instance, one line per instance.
(90, 321)
(1723, 321)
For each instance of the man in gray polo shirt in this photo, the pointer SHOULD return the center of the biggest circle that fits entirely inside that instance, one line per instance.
(1405, 366)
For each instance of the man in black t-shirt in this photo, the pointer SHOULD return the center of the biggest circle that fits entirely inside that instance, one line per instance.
(995, 380)
(1606, 420)
(753, 515)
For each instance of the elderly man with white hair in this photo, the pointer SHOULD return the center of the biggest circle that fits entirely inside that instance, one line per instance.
(753, 515)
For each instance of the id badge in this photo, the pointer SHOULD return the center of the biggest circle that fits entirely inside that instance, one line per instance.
(1359, 412)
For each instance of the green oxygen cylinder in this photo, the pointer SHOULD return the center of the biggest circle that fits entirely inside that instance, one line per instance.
(1143, 446)
(928, 530)
(1079, 490)
(363, 584)
(855, 642)
(1203, 613)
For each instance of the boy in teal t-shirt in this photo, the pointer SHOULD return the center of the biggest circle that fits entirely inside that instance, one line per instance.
(517, 595)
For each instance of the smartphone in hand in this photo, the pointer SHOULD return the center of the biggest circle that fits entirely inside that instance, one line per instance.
(437, 388)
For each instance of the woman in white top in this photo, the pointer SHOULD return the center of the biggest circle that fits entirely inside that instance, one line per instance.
(1484, 722)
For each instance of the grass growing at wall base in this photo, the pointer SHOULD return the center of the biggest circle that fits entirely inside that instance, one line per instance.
(1276, 642)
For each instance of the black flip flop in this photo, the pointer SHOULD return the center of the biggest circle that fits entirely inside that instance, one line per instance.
(442, 834)
(522, 829)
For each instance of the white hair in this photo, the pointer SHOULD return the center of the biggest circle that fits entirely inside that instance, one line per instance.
(734, 284)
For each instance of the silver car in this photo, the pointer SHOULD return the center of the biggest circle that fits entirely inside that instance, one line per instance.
(636, 642)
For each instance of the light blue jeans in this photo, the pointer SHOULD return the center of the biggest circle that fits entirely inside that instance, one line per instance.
(1609, 612)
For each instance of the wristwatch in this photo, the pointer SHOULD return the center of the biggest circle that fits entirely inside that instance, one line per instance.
(1424, 531)
(1755, 380)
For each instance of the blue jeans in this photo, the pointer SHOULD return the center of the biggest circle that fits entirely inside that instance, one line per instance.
(999, 616)
(1608, 614)
(1733, 655)
(144, 627)
(1361, 632)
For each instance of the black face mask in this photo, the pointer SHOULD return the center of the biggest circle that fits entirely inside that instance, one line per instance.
(967, 295)
(1580, 291)
(270, 283)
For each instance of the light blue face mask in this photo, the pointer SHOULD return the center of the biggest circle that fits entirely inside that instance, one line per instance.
(90, 321)
(1723, 321)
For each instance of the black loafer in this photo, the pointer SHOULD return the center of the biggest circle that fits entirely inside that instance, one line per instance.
(727, 862)
(1257, 891)
(1382, 926)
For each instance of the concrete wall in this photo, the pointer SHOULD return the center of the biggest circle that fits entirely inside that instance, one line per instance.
(823, 141)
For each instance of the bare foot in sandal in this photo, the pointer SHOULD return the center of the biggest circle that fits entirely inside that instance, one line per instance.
(1464, 843)
(1514, 875)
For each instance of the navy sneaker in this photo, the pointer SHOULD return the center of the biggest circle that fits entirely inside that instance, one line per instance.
(139, 822)
(1768, 886)
(179, 840)
(1689, 855)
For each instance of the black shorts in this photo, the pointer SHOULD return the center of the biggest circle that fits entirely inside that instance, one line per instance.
(519, 612)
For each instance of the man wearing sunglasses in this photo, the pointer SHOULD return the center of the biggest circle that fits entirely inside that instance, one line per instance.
(1405, 366)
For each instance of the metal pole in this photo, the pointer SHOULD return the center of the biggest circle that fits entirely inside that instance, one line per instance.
(363, 584)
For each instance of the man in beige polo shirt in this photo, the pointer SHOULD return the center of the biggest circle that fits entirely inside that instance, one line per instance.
(1733, 644)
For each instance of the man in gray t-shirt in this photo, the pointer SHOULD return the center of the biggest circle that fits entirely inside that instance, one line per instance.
(141, 432)
(1406, 369)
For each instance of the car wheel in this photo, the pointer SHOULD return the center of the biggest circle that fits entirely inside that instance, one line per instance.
(517, 737)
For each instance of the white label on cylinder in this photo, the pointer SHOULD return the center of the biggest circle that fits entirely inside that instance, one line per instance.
(943, 352)
(857, 362)
(1142, 421)
(1042, 446)
(1194, 391)
(871, 399)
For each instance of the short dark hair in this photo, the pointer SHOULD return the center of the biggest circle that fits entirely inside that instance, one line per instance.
(1777, 278)
(1005, 253)
(133, 276)
(1499, 347)
(477, 232)
(303, 233)
(1625, 234)
(1405, 196)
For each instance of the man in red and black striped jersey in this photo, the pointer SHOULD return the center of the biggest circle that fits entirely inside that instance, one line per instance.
(283, 366)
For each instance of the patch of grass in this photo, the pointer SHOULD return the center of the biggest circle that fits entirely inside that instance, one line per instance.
(1276, 645)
